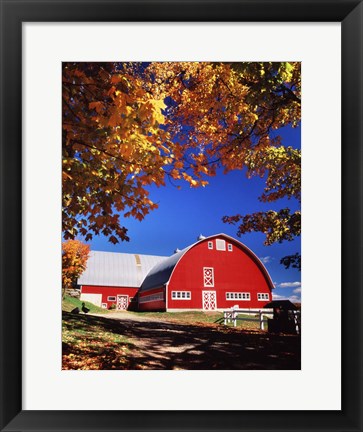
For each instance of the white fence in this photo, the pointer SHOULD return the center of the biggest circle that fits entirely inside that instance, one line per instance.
(261, 316)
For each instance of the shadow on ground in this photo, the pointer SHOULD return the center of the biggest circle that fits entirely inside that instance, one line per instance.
(165, 345)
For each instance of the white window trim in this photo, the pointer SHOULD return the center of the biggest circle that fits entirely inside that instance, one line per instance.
(111, 298)
(235, 296)
(210, 245)
(221, 245)
(187, 293)
(152, 297)
(263, 296)
(229, 247)
(104, 305)
(212, 277)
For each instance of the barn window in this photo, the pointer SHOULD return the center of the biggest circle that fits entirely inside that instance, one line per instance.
(238, 296)
(181, 295)
(210, 245)
(151, 298)
(208, 274)
(111, 298)
(263, 296)
(230, 248)
(220, 245)
(104, 305)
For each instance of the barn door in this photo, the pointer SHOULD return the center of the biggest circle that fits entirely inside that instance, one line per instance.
(122, 302)
(209, 300)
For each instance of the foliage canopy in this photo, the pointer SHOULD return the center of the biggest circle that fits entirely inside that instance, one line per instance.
(129, 125)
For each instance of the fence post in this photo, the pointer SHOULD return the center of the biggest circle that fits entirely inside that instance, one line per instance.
(225, 317)
(262, 327)
(234, 319)
(296, 322)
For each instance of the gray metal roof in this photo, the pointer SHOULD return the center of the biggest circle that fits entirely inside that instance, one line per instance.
(160, 274)
(118, 269)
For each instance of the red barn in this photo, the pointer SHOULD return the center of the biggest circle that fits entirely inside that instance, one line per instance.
(115, 278)
(217, 272)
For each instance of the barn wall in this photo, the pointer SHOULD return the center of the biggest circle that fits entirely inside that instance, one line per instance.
(107, 291)
(234, 272)
(96, 299)
(152, 300)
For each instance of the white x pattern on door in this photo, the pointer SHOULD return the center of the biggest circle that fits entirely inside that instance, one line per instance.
(208, 274)
(122, 302)
(209, 300)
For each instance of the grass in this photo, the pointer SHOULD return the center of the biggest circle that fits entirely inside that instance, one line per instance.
(195, 317)
(69, 303)
(88, 345)
(190, 317)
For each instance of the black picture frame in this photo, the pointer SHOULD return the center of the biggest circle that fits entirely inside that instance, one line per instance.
(13, 14)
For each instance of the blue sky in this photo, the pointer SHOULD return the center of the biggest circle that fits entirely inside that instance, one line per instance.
(184, 214)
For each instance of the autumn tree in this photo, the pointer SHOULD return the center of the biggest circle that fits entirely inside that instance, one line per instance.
(74, 260)
(114, 146)
(232, 113)
(129, 125)
(110, 138)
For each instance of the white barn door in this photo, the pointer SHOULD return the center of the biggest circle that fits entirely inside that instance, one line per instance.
(96, 299)
(209, 299)
(122, 302)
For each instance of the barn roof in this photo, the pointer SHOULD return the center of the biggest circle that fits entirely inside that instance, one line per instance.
(117, 269)
(160, 274)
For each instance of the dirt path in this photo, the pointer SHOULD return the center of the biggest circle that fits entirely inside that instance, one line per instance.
(125, 315)
(160, 344)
